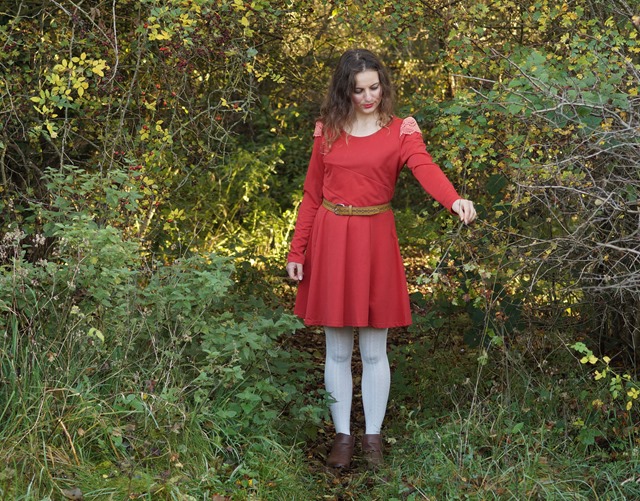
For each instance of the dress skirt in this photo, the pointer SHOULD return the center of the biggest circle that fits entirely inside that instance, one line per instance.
(353, 273)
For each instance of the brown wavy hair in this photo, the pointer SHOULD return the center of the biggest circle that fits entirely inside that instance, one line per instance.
(337, 110)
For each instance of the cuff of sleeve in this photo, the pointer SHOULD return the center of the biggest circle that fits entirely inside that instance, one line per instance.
(294, 257)
(449, 203)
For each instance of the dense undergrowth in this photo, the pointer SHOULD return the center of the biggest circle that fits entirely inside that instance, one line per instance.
(118, 366)
(125, 377)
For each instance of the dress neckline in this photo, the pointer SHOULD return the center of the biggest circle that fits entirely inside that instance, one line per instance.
(362, 137)
(372, 134)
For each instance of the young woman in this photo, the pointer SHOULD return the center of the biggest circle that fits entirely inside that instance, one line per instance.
(345, 252)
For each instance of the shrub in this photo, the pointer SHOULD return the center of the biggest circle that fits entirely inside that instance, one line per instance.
(110, 355)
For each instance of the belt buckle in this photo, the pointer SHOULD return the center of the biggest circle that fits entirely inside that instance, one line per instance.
(337, 208)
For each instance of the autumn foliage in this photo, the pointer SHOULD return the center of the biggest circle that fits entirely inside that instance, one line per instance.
(152, 155)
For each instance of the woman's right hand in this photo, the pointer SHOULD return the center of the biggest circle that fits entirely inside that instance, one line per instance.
(465, 210)
(295, 271)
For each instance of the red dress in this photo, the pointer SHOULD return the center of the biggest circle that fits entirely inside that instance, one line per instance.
(353, 271)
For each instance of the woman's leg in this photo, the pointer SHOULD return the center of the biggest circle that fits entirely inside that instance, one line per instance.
(376, 377)
(337, 375)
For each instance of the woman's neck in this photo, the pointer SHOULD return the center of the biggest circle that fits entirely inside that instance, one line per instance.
(364, 125)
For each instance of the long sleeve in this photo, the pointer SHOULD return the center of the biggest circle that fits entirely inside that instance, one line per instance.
(425, 170)
(311, 201)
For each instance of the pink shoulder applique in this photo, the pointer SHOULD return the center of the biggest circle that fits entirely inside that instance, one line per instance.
(318, 131)
(409, 126)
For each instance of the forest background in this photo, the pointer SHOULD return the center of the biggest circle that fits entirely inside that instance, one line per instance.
(152, 155)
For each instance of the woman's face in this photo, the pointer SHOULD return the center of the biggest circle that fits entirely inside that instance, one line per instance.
(367, 93)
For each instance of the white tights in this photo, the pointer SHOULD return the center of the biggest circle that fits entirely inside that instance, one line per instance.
(376, 376)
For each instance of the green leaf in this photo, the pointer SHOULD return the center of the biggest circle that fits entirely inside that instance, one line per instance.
(517, 428)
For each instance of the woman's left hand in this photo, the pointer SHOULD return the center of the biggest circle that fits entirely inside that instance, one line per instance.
(465, 210)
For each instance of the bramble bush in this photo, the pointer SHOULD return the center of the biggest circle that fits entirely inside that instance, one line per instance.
(111, 356)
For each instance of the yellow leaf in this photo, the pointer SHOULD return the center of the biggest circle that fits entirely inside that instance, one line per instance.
(98, 67)
(52, 131)
(80, 91)
(244, 22)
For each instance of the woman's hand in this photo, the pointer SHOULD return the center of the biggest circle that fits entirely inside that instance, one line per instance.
(465, 210)
(295, 271)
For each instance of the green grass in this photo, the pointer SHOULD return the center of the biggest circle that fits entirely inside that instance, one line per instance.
(503, 430)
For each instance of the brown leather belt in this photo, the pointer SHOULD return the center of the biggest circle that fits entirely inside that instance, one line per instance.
(350, 210)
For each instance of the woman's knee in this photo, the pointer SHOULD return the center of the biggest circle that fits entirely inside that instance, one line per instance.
(373, 345)
(339, 344)
(373, 358)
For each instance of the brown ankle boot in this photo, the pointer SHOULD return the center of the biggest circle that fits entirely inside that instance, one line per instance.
(372, 450)
(341, 451)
